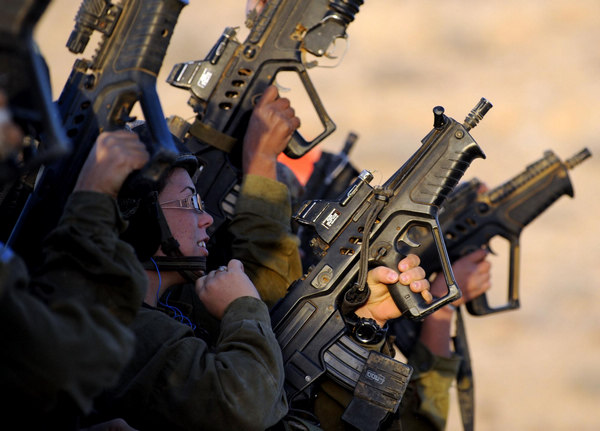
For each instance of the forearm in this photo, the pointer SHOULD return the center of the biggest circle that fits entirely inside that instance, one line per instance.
(240, 385)
(263, 240)
(50, 349)
(71, 313)
(435, 332)
(85, 259)
(176, 380)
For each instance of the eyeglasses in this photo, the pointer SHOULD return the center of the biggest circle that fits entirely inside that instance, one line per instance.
(193, 202)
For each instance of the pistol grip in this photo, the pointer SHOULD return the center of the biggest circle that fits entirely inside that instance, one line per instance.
(479, 306)
(411, 304)
(298, 146)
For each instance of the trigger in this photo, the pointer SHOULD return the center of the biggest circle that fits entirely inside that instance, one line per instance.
(410, 239)
(487, 248)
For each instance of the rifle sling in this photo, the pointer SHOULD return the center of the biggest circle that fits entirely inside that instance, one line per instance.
(464, 378)
(211, 136)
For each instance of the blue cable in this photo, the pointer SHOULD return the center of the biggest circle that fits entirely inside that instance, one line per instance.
(177, 314)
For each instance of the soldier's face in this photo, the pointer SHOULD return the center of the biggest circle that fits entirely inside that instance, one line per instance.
(186, 224)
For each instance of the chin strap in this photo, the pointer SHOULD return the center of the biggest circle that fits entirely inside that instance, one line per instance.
(190, 267)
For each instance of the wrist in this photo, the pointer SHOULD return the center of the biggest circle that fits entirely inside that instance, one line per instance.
(364, 312)
(262, 166)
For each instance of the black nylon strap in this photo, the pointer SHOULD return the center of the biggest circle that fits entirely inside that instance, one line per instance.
(176, 263)
(190, 267)
(464, 378)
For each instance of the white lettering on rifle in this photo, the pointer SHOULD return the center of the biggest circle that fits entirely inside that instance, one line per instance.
(377, 378)
(331, 218)
(204, 78)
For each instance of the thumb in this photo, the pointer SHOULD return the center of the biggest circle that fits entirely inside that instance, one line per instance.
(235, 265)
(382, 274)
(270, 94)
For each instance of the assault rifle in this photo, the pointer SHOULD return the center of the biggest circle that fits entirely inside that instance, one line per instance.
(225, 85)
(99, 96)
(366, 227)
(470, 218)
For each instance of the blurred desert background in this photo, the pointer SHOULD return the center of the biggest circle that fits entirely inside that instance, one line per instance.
(538, 62)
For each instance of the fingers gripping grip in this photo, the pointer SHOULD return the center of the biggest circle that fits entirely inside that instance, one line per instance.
(411, 304)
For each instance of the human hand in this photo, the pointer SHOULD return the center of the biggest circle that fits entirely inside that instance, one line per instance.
(472, 274)
(271, 125)
(256, 5)
(114, 156)
(380, 305)
(221, 287)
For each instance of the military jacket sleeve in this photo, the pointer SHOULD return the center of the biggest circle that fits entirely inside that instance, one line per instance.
(263, 239)
(175, 381)
(62, 329)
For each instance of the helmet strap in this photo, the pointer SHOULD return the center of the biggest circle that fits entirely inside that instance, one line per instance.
(190, 267)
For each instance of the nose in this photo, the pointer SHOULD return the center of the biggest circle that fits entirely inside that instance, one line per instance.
(205, 220)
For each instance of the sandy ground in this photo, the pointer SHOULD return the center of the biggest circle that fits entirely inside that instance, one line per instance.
(538, 63)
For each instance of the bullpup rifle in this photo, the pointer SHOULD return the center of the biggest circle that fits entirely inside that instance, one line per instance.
(99, 96)
(366, 227)
(225, 85)
(470, 219)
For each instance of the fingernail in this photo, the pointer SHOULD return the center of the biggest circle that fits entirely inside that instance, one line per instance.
(404, 278)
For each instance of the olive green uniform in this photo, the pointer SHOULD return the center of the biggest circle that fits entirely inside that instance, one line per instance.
(62, 328)
(263, 239)
(176, 381)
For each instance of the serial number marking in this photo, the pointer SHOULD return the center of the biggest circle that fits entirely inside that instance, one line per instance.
(377, 378)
